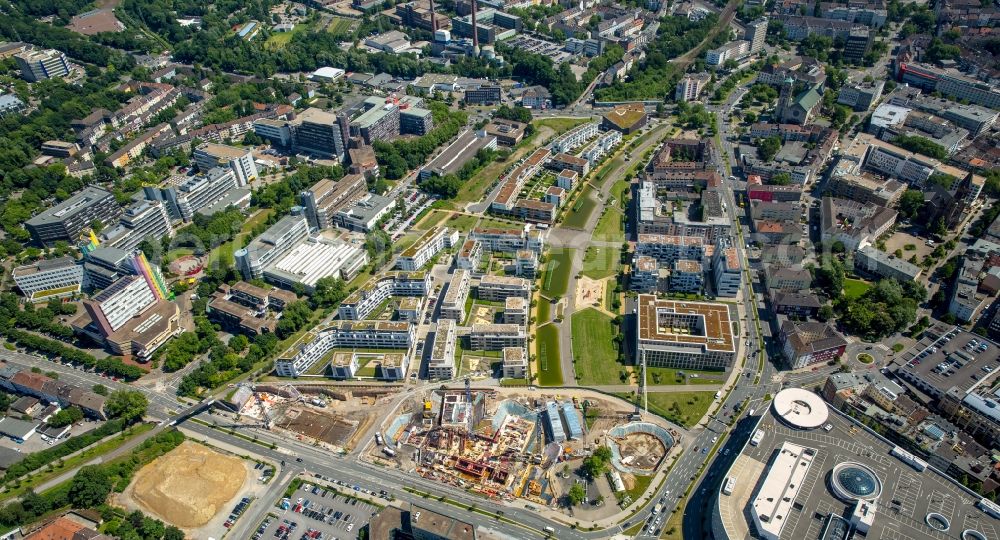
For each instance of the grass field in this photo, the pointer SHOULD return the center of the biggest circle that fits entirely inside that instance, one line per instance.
(557, 269)
(594, 350)
(855, 288)
(561, 125)
(611, 226)
(544, 311)
(601, 262)
(620, 190)
(665, 376)
(684, 408)
(222, 256)
(434, 217)
(577, 216)
(339, 25)
(606, 170)
(549, 371)
(279, 40)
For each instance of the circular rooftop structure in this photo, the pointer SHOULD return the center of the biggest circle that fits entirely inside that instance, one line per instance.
(851, 481)
(972, 534)
(937, 522)
(800, 408)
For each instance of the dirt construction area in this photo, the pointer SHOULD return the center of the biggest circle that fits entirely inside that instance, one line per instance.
(334, 430)
(641, 450)
(188, 486)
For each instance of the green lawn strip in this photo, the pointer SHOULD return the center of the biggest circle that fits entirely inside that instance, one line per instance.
(278, 40)
(544, 310)
(549, 370)
(555, 282)
(855, 288)
(61, 466)
(594, 351)
(433, 218)
(691, 406)
(611, 226)
(640, 486)
(668, 376)
(461, 222)
(339, 25)
(606, 170)
(579, 213)
(561, 125)
(600, 262)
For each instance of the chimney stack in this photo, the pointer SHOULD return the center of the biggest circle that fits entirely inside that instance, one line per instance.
(475, 29)
(434, 22)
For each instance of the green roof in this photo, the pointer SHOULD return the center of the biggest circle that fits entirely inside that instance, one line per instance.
(808, 99)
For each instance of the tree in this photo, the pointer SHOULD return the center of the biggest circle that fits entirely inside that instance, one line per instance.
(825, 312)
(780, 179)
(577, 494)
(90, 487)
(911, 202)
(173, 533)
(921, 145)
(129, 405)
(66, 417)
(769, 147)
(329, 291)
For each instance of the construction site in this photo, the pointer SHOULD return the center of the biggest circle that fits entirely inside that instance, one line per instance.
(320, 414)
(506, 447)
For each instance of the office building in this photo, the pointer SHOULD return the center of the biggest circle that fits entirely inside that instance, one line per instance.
(949, 82)
(691, 86)
(686, 276)
(861, 96)
(68, 219)
(320, 132)
(853, 223)
(327, 197)
(114, 306)
(734, 50)
(491, 26)
(794, 303)
(415, 121)
(453, 304)
(45, 279)
(38, 65)
(360, 303)
(487, 94)
(278, 240)
(507, 132)
(727, 271)
(873, 262)
(278, 132)
(302, 356)
(787, 278)
(499, 288)
(141, 221)
(441, 364)
(865, 188)
(496, 337)
(686, 335)
(626, 119)
(805, 343)
(424, 249)
(365, 213)
(210, 155)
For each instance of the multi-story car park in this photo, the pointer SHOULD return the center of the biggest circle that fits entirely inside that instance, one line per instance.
(687, 335)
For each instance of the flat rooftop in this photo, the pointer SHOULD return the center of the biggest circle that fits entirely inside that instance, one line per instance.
(697, 323)
(955, 363)
(907, 495)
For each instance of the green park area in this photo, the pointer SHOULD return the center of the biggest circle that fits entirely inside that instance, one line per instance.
(278, 40)
(549, 370)
(594, 350)
(855, 288)
(222, 256)
(611, 226)
(683, 408)
(600, 262)
(664, 376)
(578, 214)
(339, 25)
(555, 281)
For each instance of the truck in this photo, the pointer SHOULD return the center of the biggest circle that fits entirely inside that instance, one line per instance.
(657, 509)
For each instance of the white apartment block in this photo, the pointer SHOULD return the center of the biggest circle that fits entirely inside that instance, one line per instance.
(575, 138)
(734, 50)
(515, 363)
(469, 255)
(511, 240)
(604, 144)
(495, 337)
(567, 178)
(210, 155)
(312, 347)
(425, 248)
(515, 310)
(453, 304)
(691, 86)
(359, 304)
(727, 273)
(500, 288)
(441, 364)
(55, 278)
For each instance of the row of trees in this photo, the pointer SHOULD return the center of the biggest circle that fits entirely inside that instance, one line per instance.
(398, 157)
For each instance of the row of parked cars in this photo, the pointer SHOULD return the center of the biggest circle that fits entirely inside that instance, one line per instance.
(237, 511)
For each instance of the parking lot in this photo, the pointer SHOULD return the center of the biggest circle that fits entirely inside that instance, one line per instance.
(317, 511)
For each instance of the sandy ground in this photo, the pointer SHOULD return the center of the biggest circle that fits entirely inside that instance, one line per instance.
(900, 239)
(188, 486)
(589, 292)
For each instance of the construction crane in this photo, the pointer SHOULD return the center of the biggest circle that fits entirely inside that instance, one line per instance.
(468, 401)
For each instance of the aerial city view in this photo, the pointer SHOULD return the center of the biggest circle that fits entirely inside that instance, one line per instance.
(499, 269)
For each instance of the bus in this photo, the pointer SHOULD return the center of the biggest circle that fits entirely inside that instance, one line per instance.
(730, 484)
(757, 437)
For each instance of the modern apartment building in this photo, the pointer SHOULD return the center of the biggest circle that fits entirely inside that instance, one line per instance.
(500, 288)
(690, 87)
(667, 249)
(425, 248)
(53, 278)
(515, 310)
(314, 346)
(510, 240)
(359, 304)
(278, 240)
(210, 155)
(68, 219)
(495, 337)
(727, 271)
(469, 255)
(515, 363)
(441, 364)
(453, 304)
